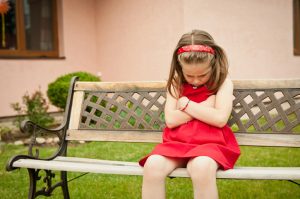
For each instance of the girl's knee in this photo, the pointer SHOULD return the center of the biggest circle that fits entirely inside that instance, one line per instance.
(155, 162)
(202, 168)
(155, 167)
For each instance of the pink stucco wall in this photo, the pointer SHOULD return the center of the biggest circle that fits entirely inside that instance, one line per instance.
(257, 35)
(136, 38)
(131, 40)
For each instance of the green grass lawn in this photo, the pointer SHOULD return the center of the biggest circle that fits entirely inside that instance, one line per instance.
(14, 184)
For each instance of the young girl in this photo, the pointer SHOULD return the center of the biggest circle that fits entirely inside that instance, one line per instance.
(198, 105)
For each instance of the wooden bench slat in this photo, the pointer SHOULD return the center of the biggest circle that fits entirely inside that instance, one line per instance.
(132, 168)
(160, 85)
(266, 83)
(285, 140)
(75, 112)
(122, 136)
(119, 86)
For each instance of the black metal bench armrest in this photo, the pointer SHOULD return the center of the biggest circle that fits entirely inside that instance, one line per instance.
(9, 164)
(34, 147)
(36, 131)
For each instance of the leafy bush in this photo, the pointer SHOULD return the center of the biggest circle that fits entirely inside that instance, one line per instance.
(58, 90)
(4, 130)
(34, 108)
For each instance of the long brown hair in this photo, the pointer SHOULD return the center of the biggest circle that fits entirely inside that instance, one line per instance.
(218, 62)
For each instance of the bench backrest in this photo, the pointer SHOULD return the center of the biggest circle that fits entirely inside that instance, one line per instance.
(265, 113)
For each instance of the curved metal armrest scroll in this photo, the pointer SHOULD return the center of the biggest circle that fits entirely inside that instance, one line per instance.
(36, 132)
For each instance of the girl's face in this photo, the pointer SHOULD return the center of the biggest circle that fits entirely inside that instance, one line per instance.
(196, 74)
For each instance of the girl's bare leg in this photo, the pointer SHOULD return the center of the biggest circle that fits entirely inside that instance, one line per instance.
(156, 170)
(203, 171)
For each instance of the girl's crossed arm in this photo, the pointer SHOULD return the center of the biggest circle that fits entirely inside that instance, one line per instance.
(217, 115)
(173, 114)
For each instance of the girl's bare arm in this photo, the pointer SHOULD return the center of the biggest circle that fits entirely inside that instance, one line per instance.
(217, 115)
(175, 117)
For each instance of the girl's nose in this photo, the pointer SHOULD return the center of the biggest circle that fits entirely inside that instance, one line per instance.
(196, 82)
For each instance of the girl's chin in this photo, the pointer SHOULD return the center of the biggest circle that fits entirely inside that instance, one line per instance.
(196, 85)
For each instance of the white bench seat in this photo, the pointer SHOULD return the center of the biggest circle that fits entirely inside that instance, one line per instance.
(76, 164)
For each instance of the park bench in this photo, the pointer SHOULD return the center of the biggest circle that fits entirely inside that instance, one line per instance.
(265, 113)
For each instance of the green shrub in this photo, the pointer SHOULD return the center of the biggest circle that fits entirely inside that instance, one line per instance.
(34, 108)
(4, 130)
(58, 90)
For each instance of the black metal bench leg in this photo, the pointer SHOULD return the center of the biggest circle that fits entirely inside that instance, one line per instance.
(48, 187)
(32, 187)
(64, 185)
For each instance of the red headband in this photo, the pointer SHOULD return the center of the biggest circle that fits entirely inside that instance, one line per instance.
(196, 48)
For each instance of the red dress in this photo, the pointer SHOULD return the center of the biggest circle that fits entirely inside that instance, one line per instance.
(196, 138)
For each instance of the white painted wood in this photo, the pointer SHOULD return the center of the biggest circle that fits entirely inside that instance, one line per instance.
(132, 168)
(97, 161)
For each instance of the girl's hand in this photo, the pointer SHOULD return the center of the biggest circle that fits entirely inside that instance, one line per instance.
(182, 103)
(173, 116)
